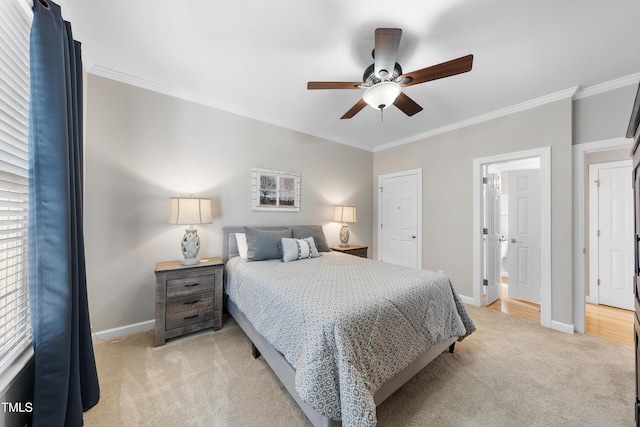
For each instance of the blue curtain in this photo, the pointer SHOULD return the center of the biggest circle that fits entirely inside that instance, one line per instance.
(66, 381)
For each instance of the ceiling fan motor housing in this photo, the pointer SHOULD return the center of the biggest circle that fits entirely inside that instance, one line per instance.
(370, 78)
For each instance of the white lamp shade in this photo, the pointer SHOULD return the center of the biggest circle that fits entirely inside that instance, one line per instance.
(382, 95)
(344, 214)
(190, 210)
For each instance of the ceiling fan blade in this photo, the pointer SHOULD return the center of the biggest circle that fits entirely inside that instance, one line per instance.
(435, 72)
(333, 85)
(354, 110)
(407, 105)
(386, 50)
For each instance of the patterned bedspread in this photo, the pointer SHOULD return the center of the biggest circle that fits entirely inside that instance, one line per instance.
(345, 323)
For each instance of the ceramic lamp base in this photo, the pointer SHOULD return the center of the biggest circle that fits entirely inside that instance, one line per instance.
(344, 236)
(190, 246)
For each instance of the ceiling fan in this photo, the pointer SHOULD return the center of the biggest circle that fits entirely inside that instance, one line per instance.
(383, 80)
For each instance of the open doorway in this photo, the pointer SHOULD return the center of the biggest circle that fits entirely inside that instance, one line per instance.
(584, 155)
(518, 240)
(512, 240)
(531, 259)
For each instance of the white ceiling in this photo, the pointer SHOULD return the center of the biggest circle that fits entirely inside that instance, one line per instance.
(255, 57)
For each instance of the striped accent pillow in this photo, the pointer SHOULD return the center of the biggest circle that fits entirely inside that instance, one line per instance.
(295, 249)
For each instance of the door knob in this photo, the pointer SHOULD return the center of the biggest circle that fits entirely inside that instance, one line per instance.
(513, 240)
(413, 236)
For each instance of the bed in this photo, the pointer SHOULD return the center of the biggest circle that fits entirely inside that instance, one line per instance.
(342, 333)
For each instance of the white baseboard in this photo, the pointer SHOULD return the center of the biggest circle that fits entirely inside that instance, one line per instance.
(467, 300)
(562, 327)
(122, 331)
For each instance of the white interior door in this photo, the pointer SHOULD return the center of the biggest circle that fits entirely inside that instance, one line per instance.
(611, 242)
(524, 235)
(493, 290)
(399, 213)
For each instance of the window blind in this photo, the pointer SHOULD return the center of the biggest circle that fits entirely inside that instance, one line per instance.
(15, 324)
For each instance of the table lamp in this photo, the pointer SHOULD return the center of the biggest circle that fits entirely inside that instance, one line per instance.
(344, 214)
(190, 211)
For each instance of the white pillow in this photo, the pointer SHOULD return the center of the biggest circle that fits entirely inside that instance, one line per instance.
(241, 241)
(293, 249)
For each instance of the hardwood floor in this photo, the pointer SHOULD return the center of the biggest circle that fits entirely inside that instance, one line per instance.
(610, 323)
(606, 322)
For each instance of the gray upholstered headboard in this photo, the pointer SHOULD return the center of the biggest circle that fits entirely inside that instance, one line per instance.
(229, 245)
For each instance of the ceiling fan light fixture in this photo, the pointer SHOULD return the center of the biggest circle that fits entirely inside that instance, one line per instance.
(382, 95)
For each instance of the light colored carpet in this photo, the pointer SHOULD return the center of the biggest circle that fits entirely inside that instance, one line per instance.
(510, 372)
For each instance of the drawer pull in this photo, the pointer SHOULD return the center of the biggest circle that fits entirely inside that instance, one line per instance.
(191, 302)
(190, 317)
(191, 285)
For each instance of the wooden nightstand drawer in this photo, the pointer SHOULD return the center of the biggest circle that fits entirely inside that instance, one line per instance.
(189, 285)
(189, 303)
(186, 318)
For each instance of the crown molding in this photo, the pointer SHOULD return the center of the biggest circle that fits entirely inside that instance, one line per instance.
(111, 74)
(564, 94)
(156, 87)
(632, 79)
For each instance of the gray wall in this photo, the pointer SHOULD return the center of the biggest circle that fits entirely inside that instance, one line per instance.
(603, 116)
(447, 162)
(143, 147)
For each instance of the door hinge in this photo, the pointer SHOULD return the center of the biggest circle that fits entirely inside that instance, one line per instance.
(597, 181)
(598, 282)
(485, 231)
(381, 189)
(485, 282)
(484, 179)
(598, 233)
(381, 226)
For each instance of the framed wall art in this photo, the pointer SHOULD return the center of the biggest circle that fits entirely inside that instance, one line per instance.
(276, 191)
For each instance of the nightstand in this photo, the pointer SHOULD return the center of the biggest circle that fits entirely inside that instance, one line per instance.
(188, 298)
(356, 250)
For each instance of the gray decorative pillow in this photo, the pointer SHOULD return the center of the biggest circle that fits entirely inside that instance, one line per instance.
(264, 244)
(293, 249)
(314, 231)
